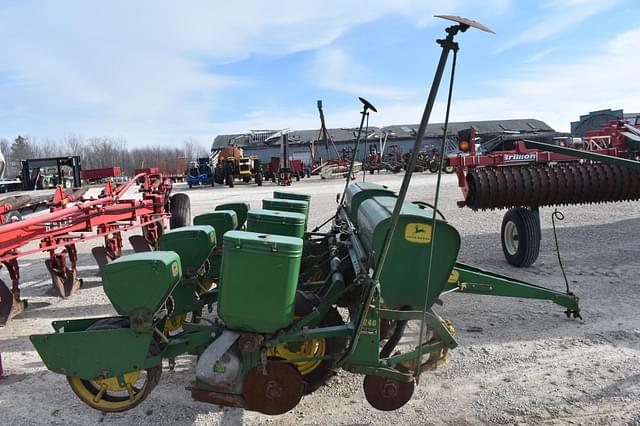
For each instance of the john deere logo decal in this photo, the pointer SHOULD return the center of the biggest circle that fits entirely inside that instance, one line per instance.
(418, 233)
(174, 269)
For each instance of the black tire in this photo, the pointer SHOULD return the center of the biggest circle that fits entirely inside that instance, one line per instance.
(520, 236)
(297, 177)
(218, 176)
(190, 185)
(180, 211)
(433, 167)
(229, 180)
(448, 169)
(259, 179)
(323, 372)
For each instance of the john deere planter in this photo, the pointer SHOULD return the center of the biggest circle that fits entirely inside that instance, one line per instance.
(291, 311)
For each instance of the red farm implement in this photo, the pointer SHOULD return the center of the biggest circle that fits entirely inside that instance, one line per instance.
(72, 220)
(524, 175)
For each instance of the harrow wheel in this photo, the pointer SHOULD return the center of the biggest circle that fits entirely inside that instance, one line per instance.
(520, 236)
(273, 388)
(387, 394)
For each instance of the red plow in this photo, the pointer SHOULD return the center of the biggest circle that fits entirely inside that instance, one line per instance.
(72, 220)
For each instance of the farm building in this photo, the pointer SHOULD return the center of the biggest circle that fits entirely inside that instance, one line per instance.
(305, 144)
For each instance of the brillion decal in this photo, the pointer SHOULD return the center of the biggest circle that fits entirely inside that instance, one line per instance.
(532, 156)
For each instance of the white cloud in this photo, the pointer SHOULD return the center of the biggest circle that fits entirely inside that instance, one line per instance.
(146, 69)
(538, 56)
(334, 69)
(556, 94)
(561, 16)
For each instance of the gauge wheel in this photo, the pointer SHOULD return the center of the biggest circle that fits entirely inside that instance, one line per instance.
(314, 373)
(520, 236)
(116, 394)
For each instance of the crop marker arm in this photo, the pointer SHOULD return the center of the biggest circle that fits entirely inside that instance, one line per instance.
(469, 279)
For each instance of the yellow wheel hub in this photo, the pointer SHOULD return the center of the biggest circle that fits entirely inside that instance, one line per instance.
(174, 323)
(308, 349)
(110, 394)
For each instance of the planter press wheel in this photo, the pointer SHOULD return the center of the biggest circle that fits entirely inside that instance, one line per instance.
(113, 395)
(315, 373)
(387, 394)
(520, 235)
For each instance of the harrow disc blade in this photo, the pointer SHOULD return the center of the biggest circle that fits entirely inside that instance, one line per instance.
(548, 185)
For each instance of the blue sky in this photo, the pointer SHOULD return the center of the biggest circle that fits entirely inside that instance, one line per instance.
(159, 72)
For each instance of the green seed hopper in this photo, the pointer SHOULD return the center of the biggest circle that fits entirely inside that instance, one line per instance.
(196, 247)
(276, 222)
(299, 196)
(241, 209)
(287, 205)
(222, 221)
(292, 311)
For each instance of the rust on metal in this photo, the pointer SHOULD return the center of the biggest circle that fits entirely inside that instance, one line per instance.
(273, 388)
(387, 394)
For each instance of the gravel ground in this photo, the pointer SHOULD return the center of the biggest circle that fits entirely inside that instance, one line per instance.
(518, 361)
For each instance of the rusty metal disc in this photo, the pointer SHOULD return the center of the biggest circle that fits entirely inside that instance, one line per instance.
(620, 183)
(539, 183)
(472, 182)
(510, 187)
(494, 190)
(273, 389)
(482, 198)
(502, 184)
(387, 394)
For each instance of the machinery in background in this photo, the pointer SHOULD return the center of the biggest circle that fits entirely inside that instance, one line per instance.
(73, 219)
(200, 173)
(283, 169)
(232, 164)
(98, 175)
(7, 185)
(331, 167)
(34, 174)
(524, 172)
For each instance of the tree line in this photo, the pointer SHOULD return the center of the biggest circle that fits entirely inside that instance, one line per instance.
(99, 152)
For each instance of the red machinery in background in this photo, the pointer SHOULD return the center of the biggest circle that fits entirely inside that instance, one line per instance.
(93, 175)
(522, 176)
(73, 220)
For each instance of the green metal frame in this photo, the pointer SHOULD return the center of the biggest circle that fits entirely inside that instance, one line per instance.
(588, 155)
(472, 280)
